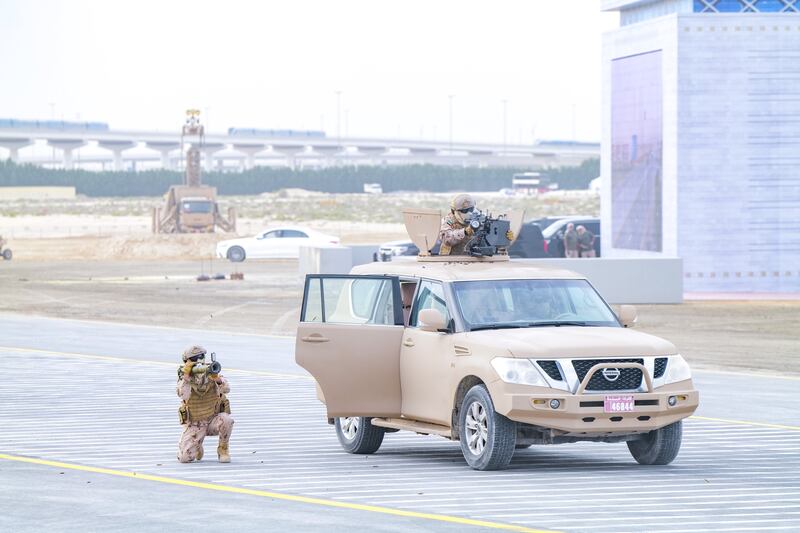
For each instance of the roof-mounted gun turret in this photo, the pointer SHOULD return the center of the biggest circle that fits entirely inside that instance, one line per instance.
(488, 242)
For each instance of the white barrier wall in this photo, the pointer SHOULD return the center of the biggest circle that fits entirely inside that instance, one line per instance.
(619, 280)
(627, 281)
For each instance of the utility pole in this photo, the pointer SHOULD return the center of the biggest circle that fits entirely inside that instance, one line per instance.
(450, 115)
(339, 119)
(505, 124)
(573, 121)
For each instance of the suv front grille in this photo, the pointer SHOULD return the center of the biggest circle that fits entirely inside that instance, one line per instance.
(629, 378)
(551, 368)
(660, 367)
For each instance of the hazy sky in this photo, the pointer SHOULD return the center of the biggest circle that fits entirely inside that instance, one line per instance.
(278, 64)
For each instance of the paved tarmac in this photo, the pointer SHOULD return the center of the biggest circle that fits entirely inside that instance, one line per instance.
(96, 401)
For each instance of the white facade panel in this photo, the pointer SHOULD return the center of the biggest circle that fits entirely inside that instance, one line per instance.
(739, 151)
(731, 146)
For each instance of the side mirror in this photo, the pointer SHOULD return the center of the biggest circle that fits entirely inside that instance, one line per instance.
(628, 315)
(431, 320)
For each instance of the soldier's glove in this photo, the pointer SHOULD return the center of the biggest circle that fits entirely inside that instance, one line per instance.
(510, 235)
(215, 377)
(187, 368)
(469, 231)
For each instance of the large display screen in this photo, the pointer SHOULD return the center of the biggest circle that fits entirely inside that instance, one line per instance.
(636, 147)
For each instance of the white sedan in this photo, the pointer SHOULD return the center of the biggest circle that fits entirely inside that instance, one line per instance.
(282, 243)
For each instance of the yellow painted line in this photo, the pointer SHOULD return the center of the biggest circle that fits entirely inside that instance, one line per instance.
(277, 495)
(114, 359)
(746, 423)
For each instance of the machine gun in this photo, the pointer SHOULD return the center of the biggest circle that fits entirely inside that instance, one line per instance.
(489, 235)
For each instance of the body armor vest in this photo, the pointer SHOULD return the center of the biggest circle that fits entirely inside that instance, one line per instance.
(203, 405)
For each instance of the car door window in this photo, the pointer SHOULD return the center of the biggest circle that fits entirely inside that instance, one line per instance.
(352, 300)
(293, 234)
(431, 296)
(275, 234)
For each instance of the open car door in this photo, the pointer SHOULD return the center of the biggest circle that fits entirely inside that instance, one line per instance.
(349, 339)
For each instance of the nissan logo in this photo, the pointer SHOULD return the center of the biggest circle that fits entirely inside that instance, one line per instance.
(611, 374)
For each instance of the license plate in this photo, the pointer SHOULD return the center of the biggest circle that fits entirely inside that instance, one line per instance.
(618, 404)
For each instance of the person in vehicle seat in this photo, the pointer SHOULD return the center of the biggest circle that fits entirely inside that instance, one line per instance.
(407, 296)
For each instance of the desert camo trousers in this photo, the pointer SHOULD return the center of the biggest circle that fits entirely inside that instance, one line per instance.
(193, 434)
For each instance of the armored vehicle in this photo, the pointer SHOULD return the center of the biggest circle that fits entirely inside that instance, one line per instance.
(494, 353)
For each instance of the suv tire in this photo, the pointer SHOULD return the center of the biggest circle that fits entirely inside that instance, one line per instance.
(487, 438)
(659, 447)
(236, 254)
(357, 434)
(7, 255)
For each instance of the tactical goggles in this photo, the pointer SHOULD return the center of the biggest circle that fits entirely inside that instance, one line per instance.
(466, 210)
(196, 358)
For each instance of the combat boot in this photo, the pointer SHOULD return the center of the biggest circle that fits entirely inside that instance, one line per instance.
(222, 452)
(199, 453)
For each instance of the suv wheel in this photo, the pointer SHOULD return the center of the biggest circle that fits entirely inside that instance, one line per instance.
(487, 438)
(236, 254)
(659, 447)
(7, 254)
(358, 435)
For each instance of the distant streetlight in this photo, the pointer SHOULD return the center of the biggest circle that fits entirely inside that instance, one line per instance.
(573, 121)
(53, 117)
(339, 118)
(505, 123)
(450, 115)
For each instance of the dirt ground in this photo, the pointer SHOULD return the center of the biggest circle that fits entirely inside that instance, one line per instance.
(95, 259)
(732, 335)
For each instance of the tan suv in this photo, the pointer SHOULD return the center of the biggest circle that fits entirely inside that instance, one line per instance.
(496, 354)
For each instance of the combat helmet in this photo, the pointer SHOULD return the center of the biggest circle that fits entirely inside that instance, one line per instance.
(193, 351)
(461, 205)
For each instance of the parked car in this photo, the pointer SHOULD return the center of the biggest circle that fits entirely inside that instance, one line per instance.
(281, 243)
(529, 242)
(404, 247)
(554, 234)
(495, 354)
(543, 222)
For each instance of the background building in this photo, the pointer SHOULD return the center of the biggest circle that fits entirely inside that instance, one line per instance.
(701, 139)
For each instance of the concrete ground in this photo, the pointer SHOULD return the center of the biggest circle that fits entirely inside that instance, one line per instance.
(96, 401)
(761, 336)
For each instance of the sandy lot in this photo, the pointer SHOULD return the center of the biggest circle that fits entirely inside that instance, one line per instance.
(758, 336)
(119, 228)
(96, 259)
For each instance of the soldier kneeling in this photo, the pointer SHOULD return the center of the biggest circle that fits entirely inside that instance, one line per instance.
(205, 409)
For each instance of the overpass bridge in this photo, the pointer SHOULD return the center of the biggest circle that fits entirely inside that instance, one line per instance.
(85, 146)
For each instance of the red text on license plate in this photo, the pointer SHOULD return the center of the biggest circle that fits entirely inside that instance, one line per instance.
(618, 404)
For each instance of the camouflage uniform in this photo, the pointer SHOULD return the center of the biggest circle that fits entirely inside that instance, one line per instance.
(585, 242)
(203, 413)
(571, 242)
(453, 232)
(453, 236)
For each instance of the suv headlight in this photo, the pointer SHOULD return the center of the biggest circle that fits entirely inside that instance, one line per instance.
(519, 371)
(677, 370)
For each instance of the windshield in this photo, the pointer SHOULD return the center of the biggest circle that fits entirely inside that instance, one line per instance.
(198, 206)
(521, 303)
